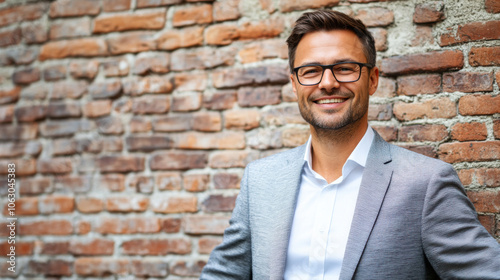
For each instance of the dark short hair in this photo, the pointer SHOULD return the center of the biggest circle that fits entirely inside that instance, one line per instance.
(326, 20)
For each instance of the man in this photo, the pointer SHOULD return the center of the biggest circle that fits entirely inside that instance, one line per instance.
(347, 204)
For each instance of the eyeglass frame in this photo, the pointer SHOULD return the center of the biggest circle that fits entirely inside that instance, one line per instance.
(330, 66)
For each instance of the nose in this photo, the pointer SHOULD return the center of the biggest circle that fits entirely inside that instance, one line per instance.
(328, 81)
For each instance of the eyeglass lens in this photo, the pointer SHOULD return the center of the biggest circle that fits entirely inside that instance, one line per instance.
(345, 72)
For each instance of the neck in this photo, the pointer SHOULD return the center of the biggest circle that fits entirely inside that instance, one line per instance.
(332, 148)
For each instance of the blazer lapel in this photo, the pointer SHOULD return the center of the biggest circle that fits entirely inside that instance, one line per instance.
(376, 178)
(285, 193)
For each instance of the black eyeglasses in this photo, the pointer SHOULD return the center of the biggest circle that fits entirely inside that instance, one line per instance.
(344, 72)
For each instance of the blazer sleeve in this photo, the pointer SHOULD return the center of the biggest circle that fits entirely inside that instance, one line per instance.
(455, 242)
(232, 259)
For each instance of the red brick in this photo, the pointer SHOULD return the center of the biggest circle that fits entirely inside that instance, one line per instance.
(220, 100)
(83, 227)
(470, 32)
(226, 10)
(61, 128)
(259, 96)
(70, 28)
(485, 201)
(51, 267)
(120, 163)
(171, 225)
(89, 205)
(84, 70)
(86, 247)
(267, 49)
(113, 182)
(101, 267)
(282, 115)
(496, 129)
(24, 206)
(99, 108)
(488, 222)
(178, 160)
(128, 225)
(55, 165)
(202, 58)
(191, 15)
(467, 82)
(149, 268)
(22, 248)
(77, 184)
(71, 8)
(437, 61)
(422, 133)
(15, 149)
(190, 81)
(34, 33)
(6, 113)
(168, 181)
(156, 3)
(140, 124)
(151, 105)
(86, 47)
(108, 89)
(422, 37)
(122, 22)
(429, 12)
(150, 84)
(46, 227)
(265, 139)
(22, 13)
(55, 248)
(207, 244)
(381, 112)
(152, 63)
(196, 182)
(388, 133)
(432, 109)
(186, 102)
(221, 34)
(192, 268)
(156, 247)
(242, 119)
(205, 141)
(484, 56)
(205, 224)
(273, 73)
(26, 76)
(473, 131)
(24, 167)
(231, 159)
(34, 186)
(31, 113)
(10, 37)
(115, 67)
(293, 137)
(20, 56)
(131, 42)
(127, 204)
(110, 125)
(149, 143)
(69, 89)
(177, 204)
(483, 177)
(115, 5)
(56, 204)
(9, 95)
(380, 36)
(419, 84)
(469, 151)
(376, 16)
(297, 5)
(219, 203)
(207, 121)
(492, 6)
(63, 110)
(261, 29)
(425, 150)
(172, 39)
(479, 104)
(142, 184)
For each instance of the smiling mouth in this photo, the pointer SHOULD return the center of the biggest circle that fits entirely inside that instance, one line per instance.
(330, 101)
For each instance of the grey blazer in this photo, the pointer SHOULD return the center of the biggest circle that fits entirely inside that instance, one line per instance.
(412, 221)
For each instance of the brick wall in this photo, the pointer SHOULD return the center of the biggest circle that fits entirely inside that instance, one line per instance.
(130, 121)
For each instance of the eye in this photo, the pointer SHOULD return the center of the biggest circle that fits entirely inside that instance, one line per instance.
(310, 71)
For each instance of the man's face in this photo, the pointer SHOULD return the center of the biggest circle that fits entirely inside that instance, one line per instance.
(330, 104)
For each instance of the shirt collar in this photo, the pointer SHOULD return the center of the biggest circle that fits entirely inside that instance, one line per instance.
(358, 155)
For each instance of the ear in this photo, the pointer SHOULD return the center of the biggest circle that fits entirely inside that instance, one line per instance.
(374, 75)
(294, 87)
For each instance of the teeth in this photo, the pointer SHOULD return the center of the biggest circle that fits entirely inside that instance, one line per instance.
(334, 100)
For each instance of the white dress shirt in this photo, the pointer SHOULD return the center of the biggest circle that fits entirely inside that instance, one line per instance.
(323, 217)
